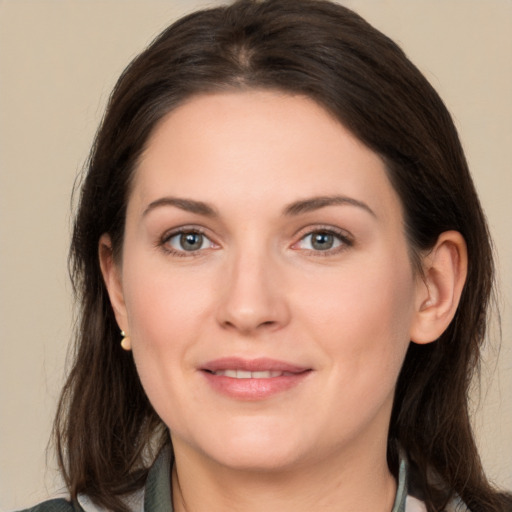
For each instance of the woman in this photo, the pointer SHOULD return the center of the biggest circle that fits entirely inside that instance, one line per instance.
(279, 219)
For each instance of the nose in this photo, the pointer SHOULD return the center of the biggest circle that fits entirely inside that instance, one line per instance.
(253, 297)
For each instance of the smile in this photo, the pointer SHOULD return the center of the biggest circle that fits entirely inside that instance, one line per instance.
(252, 379)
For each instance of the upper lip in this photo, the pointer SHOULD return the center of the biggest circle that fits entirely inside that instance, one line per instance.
(252, 365)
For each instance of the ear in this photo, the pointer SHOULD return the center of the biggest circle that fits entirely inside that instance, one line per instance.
(112, 276)
(439, 289)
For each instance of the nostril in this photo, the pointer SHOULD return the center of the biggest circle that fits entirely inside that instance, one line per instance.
(249, 326)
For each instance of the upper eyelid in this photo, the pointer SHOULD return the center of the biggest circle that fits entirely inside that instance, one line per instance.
(184, 229)
(308, 230)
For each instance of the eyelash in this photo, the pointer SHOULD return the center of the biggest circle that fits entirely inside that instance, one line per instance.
(343, 237)
(185, 230)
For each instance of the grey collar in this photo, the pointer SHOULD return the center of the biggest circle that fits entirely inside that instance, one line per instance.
(157, 493)
(158, 485)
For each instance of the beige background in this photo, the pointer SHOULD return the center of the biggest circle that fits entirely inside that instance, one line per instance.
(58, 62)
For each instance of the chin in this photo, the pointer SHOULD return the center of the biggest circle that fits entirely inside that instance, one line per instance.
(258, 459)
(256, 450)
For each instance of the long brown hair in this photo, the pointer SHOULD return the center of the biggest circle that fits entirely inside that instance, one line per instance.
(106, 430)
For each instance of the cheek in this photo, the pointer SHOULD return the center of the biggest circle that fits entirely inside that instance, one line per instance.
(162, 304)
(166, 314)
(362, 317)
(163, 328)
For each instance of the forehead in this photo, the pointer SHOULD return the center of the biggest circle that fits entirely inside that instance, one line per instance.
(261, 146)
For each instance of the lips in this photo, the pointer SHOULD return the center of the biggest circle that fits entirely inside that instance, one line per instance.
(254, 379)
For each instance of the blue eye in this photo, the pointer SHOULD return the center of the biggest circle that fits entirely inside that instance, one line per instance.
(188, 241)
(322, 240)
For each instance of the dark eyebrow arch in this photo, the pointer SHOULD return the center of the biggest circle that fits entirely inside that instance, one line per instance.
(315, 203)
(189, 205)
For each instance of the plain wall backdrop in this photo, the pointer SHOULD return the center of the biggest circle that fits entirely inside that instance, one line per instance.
(58, 62)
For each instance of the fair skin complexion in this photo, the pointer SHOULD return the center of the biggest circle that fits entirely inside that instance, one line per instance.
(259, 229)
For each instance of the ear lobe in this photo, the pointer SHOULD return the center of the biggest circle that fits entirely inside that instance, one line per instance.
(112, 277)
(440, 288)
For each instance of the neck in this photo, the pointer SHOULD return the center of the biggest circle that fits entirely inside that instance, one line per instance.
(348, 482)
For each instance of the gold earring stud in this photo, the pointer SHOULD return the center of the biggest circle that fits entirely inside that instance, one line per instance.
(126, 342)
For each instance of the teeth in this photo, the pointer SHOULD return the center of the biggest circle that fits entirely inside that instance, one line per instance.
(266, 375)
(244, 374)
(262, 375)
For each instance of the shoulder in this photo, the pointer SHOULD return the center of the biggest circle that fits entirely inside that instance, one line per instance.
(414, 505)
(55, 505)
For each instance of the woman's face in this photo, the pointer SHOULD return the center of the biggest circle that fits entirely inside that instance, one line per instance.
(265, 282)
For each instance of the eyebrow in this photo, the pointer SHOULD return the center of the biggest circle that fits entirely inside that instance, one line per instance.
(293, 209)
(189, 205)
(315, 203)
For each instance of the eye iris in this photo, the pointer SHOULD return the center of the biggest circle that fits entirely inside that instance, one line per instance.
(191, 241)
(322, 241)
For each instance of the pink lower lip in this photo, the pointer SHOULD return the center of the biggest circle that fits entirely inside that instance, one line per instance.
(254, 389)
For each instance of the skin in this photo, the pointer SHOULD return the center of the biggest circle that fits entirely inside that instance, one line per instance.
(257, 287)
